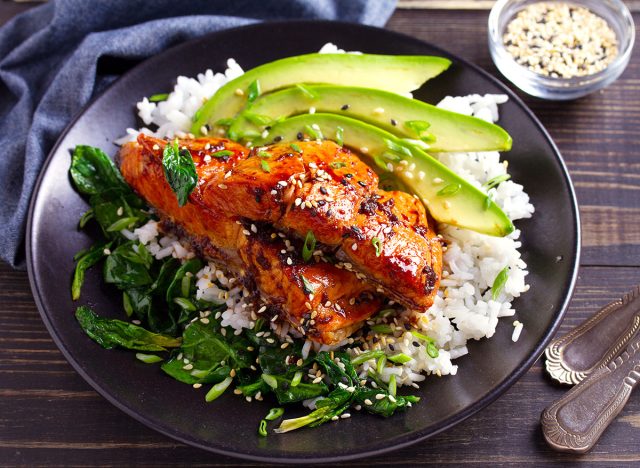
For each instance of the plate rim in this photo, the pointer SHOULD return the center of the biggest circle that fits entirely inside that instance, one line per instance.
(404, 440)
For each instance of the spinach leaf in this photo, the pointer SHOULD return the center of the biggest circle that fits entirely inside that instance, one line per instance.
(175, 368)
(338, 373)
(251, 389)
(385, 405)
(139, 302)
(286, 393)
(84, 262)
(94, 172)
(112, 206)
(110, 333)
(128, 267)
(206, 348)
(180, 171)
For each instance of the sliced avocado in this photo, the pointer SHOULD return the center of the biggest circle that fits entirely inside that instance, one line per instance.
(394, 73)
(441, 130)
(450, 198)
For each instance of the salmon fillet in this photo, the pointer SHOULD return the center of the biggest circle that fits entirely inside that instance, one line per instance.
(381, 242)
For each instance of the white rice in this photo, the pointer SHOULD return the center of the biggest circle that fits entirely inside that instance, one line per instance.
(463, 310)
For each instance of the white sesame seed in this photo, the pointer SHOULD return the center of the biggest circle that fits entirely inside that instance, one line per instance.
(254, 229)
(283, 183)
(368, 402)
(379, 396)
(364, 149)
(239, 92)
(137, 322)
(312, 110)
(274, 192)
(378, 110)
(197, 385)
(345, 415)
(437, 180)
(106, 252)
(204, 130)
(392, 398)
(222, 186)
(354, 246)
(156, 147)
(204, 320)
(245, 232)
(188, 367)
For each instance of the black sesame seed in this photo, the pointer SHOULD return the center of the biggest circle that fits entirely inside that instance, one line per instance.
(362, 184)
(392, 348)
(348, 176)
(278, 138)
(416, 344)
(344, 107)
(394, 122)
(407, 326)
(299, 136)
(323, 191)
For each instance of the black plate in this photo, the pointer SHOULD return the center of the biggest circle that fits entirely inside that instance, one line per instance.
(550, 248)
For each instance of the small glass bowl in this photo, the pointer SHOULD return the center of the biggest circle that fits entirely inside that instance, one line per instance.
(614, 12)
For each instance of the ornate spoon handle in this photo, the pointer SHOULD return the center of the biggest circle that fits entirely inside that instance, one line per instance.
(575, 422)
(575, 355)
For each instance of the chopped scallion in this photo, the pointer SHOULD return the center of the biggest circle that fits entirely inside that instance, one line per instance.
(364, 357)
(159, 97)
(295, 147)
(297, 378)
(340, 136)
(253, 91)
(309, 246)
(262, 429)
(185, 286)
(265, 166)
(217, 390)
(306, 91)
(449, 190)
(400, 358)
(393, 385)
(377, 243)
(270, 380)
(499, 282)
(381, 328)
(337, 164)
(314, 133)
(307, 286)
(148, 358)
(264, 154)
(489, 184)
(185, 304)
(122, 223)
(222, 153)
(274, 413)
(382, 361)
(257, 119)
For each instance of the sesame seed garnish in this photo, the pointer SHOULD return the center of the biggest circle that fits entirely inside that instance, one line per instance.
(368, 402)
(197, 385)
(239, 92)
(437, 180)
(378, 110)
(188, 367)
(560, 40)
(156, 147)
(207, 146)
(237, 391)
(222, 186)
(283, 183)
(312, 110)
(345, 107)
(354, 247)
(137, 322)
(204, 320)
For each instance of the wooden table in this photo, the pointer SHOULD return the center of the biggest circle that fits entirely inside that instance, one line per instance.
(49, 415)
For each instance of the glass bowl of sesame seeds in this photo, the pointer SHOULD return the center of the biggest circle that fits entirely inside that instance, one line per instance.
(561, 50)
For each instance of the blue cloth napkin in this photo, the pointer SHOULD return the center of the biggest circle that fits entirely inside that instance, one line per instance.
(48, 73)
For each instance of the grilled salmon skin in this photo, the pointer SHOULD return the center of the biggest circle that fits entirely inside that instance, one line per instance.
(252, 208)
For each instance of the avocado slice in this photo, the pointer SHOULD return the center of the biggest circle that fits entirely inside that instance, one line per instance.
(407, 118)
(394, 73)
(450, 198)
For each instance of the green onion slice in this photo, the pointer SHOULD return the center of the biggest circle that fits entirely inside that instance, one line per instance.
(217, 390)
(499, 282)
(309, 246)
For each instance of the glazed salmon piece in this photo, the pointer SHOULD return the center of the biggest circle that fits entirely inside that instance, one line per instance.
(340, 302)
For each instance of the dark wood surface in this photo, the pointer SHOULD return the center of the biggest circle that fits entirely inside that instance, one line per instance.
(50, 416)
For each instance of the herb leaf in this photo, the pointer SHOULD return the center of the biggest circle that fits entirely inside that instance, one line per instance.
(265, 166)
(180, 171)
(110, 333)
